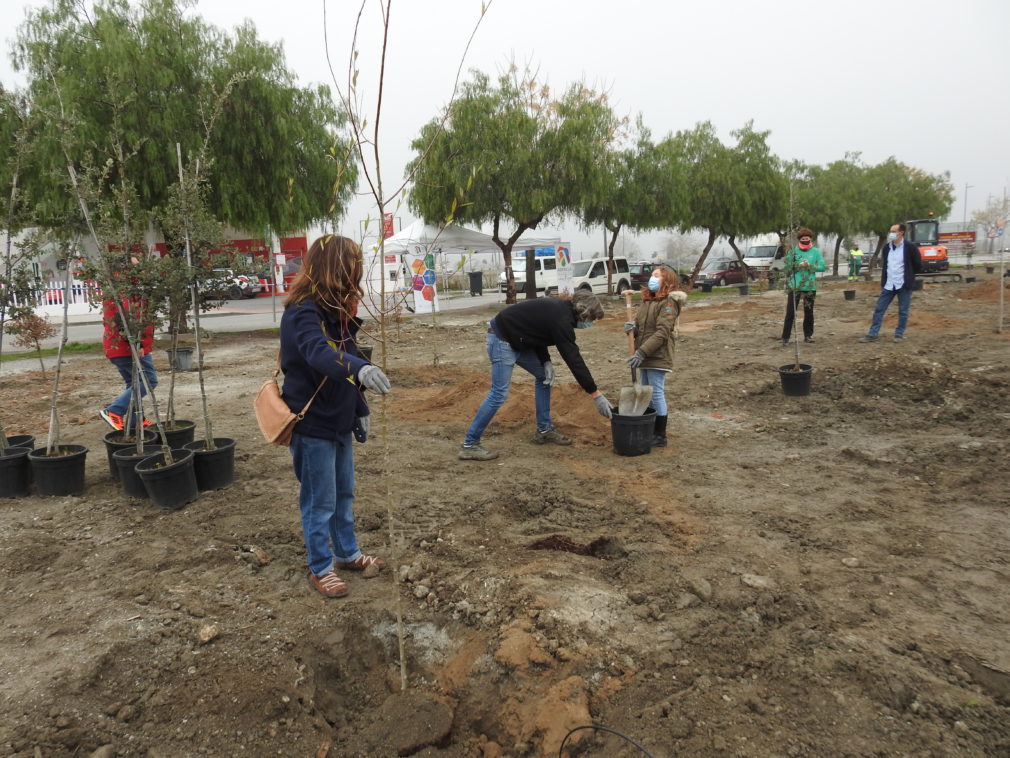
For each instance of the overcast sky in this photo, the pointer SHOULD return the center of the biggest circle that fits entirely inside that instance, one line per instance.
(922, 80)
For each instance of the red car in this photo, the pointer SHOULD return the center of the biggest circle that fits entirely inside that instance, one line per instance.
(725, 271)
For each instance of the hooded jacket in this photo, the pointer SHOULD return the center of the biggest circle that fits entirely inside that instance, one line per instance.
(654, 324)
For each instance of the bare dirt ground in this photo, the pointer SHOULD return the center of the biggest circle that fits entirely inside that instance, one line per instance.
(816, 576)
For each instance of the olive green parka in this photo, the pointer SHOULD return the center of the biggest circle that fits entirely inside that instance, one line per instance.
(654, 325)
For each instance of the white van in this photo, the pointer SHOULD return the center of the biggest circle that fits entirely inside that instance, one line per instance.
(591, 275)
(546, 273)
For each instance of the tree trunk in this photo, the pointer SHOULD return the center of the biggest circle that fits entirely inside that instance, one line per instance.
(838, 246)
(704, 255)
(881, 240)
(614, 230)
(506, 249)
(531, 274)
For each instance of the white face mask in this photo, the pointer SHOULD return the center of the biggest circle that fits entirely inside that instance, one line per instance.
(892, 236)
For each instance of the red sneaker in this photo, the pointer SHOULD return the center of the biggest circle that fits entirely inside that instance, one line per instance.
(148, 423)
(112, 419)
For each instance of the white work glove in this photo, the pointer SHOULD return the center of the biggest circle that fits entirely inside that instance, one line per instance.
(629, 327)
(603, 406)
(371, 377)
(550, 375)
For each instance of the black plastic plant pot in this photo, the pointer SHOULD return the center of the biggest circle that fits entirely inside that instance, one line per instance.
(180, 433)
(21, 440)
(849, 294)
(917, 285)
(126, 462)
(744, 289)
(969, 280)
(15, 472)
(169, 486)
(990, 269)
(215, 469)
(61, 473)
(366, 351)
(114, 441)
(796, 378)
(632, 435)
(707, 286)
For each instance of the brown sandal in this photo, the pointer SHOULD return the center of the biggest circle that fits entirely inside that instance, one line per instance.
(329, 584)
(362, 562)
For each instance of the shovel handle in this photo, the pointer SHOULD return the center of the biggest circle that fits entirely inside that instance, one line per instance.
(630, 316)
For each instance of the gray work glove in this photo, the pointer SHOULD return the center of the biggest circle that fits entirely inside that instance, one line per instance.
(603, 406)
(636, 360)
(550, 375)
(372, 378)
(629, 327)
(362, 428)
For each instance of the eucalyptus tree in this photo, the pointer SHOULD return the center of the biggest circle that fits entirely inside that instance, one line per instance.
(639, 186)
(156, 75)
(511, 154)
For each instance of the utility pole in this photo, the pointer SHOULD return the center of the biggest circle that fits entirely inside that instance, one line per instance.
(964, 218)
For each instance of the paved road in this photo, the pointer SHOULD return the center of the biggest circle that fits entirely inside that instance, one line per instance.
(239, 316)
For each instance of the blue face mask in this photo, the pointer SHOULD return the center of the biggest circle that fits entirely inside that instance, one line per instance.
(583, 324)
(653, 283)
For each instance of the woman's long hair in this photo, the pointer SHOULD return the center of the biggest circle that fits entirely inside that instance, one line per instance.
(667, 284)
(330, 276)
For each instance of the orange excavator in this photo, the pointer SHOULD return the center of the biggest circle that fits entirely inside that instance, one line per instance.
(925, 233)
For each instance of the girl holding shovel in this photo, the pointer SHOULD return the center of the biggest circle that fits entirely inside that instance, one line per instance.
(653, 327)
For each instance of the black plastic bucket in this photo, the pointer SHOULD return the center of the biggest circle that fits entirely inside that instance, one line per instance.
(61, 474)
(114, 441)
(126, 462)
(215, 469)
(796, 383)
(170, 486)
(633, 434)
(969, 279)
(21, 440)
(180, 433)
(744, 289)
(917, 285)
(849, 294)
(990, 269)
(707, 286)
(366, 352)
(15, 472)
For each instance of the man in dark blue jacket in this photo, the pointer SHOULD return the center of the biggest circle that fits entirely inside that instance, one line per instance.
(901, 262)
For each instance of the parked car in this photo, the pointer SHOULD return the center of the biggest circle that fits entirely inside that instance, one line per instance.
(641, 271)
(725, 271)
(227, 285)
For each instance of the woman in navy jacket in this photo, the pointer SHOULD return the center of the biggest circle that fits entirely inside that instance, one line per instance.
(318, 352)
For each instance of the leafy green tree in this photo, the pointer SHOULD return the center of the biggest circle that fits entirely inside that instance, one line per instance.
(639, 186)
(155, 76)
(513, 155)
(899, 193)
(759, 192)
(837, 200)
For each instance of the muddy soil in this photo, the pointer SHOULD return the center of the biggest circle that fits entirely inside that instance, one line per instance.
(792, 576)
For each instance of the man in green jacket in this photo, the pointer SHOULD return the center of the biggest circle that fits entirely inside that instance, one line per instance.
(800, 269)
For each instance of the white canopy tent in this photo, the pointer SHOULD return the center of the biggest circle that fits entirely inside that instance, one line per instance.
(419, 239)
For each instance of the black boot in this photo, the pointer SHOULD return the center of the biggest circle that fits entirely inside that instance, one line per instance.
(659, 434)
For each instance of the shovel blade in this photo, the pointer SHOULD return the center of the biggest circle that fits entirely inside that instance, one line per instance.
(633, 400)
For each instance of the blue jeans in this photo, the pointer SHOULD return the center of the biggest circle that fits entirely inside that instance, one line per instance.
(657, 380)
(325, 470)
(124, 363)
(503, 360)
(884, 301)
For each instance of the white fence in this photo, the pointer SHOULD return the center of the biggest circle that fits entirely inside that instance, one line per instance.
(83, 299)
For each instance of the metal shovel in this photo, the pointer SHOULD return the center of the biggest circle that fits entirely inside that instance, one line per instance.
(633, 400)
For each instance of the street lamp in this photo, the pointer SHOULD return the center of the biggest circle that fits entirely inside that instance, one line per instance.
(964, 218)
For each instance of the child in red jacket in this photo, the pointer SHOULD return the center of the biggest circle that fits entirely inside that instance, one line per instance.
(117, 350)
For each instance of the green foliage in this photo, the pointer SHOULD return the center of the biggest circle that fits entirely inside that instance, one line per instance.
(511, 154)
(136, 80)
(29, 331)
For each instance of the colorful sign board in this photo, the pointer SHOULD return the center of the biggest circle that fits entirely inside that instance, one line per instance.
(424, 280)
(387, 225)
(957, 239)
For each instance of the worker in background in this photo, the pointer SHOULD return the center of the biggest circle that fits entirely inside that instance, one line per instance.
(855, 262)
